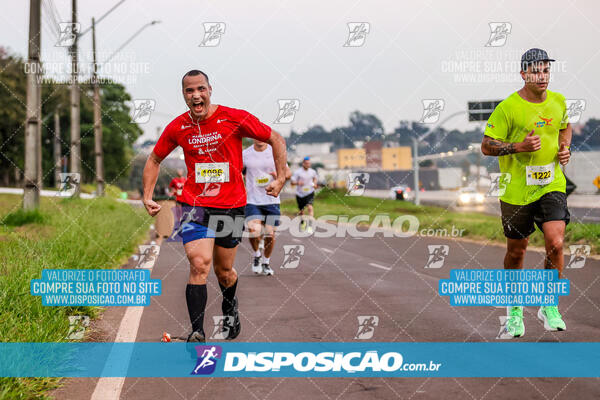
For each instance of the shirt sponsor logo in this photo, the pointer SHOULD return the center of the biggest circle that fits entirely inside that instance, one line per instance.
(544, 122)
(211, 137)
(490, 125)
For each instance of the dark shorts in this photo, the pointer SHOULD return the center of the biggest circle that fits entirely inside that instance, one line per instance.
(518, 221)
(225, 225)
(304, 201)
(267, 213)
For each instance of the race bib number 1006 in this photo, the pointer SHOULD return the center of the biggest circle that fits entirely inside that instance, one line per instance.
(212, 172)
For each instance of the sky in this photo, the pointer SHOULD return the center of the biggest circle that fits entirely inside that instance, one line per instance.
(277, 51)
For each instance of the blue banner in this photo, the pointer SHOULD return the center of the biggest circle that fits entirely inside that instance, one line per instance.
(225, 359)
(503, 287)
(95, 287)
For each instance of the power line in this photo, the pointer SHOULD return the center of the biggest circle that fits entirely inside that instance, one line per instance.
(102, 17)
(50, 25)
(55, 13)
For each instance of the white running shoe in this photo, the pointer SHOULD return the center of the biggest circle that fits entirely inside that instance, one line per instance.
(256, 265)
(266, 270)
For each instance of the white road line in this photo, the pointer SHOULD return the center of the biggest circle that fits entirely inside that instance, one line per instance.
(110, 387)
(327, 250)
(380, 266)
(297, 240)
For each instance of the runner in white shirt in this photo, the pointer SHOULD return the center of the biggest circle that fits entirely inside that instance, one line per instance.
(305, 179)
(261, 209)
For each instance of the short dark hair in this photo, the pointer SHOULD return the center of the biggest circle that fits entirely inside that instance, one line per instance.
(195, 72)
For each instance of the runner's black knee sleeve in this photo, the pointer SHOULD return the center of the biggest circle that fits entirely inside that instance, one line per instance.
(195, 296)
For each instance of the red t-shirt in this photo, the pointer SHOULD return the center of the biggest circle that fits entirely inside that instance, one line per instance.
(213, 154)
(177, 185)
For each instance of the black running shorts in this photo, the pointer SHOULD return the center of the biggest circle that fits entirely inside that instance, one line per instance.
(304, 201)
(518, 221)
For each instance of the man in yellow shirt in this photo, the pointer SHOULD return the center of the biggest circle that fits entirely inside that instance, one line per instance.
(530, 134)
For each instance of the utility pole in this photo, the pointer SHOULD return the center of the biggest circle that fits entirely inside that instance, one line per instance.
(97, 121)
(75, 153)
(56, 149)
(416, 170)
(39, 133)
(31, 190)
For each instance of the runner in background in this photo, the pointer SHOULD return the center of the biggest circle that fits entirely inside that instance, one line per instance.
(305, 180)
(176, 190)
(262, 210)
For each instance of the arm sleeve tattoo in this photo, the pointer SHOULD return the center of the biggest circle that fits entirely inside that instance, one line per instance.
(497, 147)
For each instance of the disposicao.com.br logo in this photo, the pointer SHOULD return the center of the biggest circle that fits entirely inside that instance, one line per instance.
(306, 362)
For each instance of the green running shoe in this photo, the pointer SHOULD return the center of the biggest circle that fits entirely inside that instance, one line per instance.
(552, 319)
(514, 322)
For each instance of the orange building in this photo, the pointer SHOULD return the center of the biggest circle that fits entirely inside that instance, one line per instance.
(393, 158)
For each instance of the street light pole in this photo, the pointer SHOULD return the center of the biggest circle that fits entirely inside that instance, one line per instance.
(416, 169)
(416, 150)
(130, 39)
(56, 148)
(97, 120)
(31, 190)
(75, 152)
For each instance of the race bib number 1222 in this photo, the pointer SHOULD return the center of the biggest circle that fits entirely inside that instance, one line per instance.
(540, 174)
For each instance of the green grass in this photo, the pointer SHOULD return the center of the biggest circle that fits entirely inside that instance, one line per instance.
(475, 225)
(21, 217)
(65, 233)
(111, 191)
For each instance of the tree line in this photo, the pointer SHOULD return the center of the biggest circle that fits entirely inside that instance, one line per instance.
(365, 127)
(119, 133)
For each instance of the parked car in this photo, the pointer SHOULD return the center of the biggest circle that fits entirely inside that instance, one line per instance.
(468, 196)
(402, 192)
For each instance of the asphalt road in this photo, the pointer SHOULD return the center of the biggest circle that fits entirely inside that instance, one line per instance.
(338, 280)
(583, 208)
(586, 215)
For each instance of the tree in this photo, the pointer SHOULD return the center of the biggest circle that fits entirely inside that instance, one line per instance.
(13, 83)
(406, 131)
(363, 126)
(118, 131)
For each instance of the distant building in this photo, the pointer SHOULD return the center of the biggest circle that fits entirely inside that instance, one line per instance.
(394, 158)
(351, 158)
(373, 153)
(318, 152)
(312, 149)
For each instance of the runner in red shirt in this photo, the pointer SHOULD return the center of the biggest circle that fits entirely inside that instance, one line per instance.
(177, 185)
(214, 195)
(177, 190)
